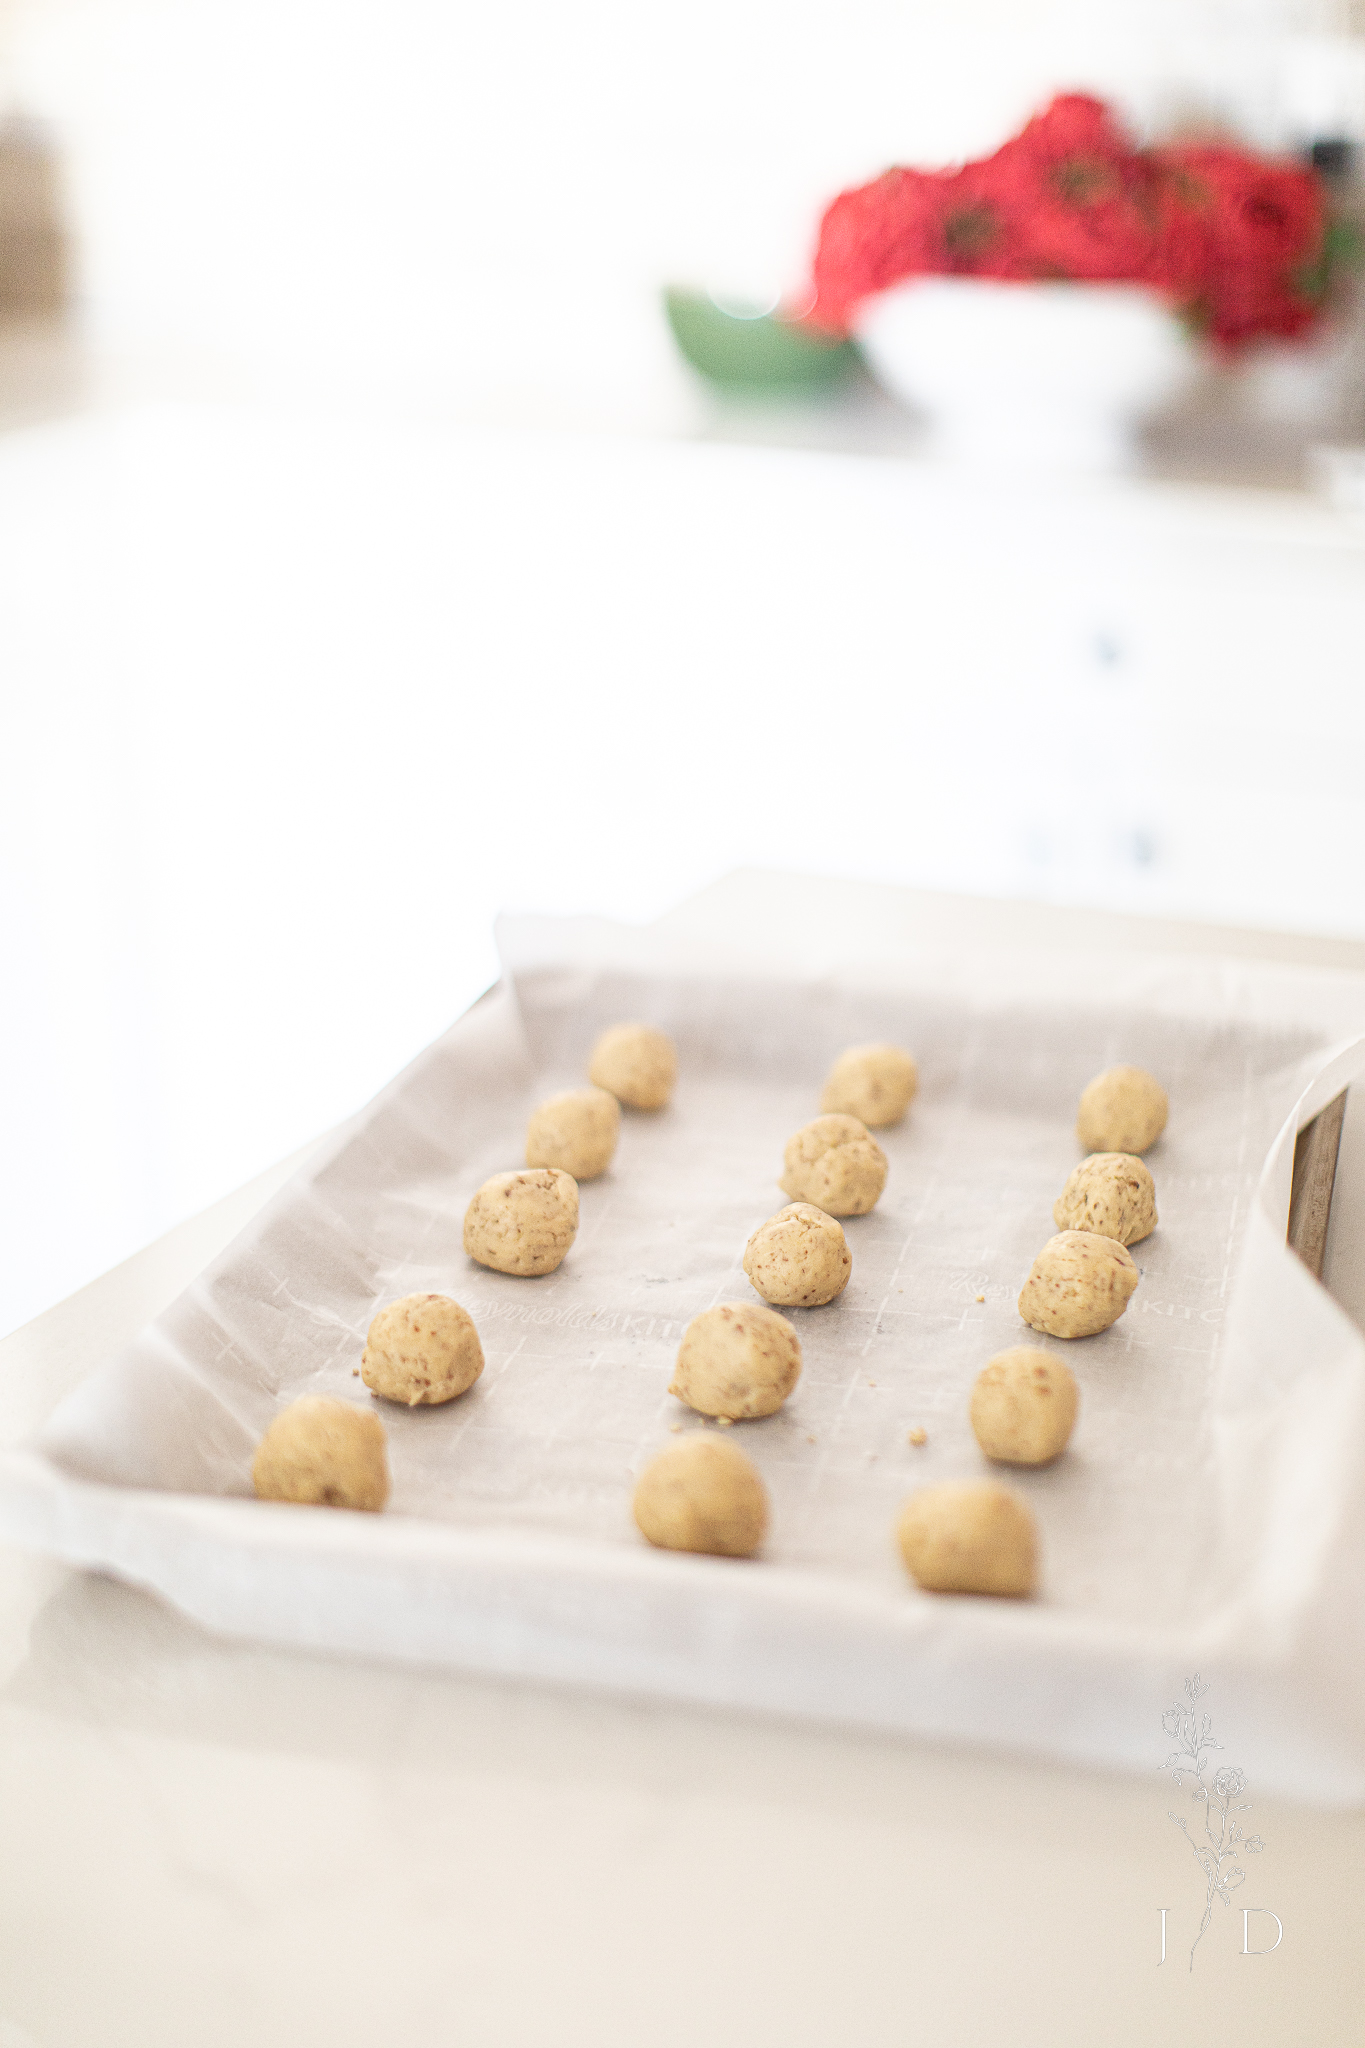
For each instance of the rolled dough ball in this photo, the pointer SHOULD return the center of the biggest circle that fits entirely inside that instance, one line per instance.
(833, 1163)
(422, 1350)
(323, 1453)
(1078, 1285)
(798, 1258)
(971, 1536)
(576, 1132)
(736, 1360)
(523, 1222)
(1024, 1407)
(702, 1494)
(873, 1082)
(1110, 1193)
(636, 1064)
(1122, 1110)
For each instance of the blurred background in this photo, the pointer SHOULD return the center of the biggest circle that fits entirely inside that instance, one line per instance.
(371, 560)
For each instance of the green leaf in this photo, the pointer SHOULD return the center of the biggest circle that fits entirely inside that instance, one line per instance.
(764, 354)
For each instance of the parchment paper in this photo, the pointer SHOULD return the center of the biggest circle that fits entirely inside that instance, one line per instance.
(1208, 1514)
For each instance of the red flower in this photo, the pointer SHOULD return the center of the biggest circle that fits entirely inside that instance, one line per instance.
(873, 237)
(981, 229)
(1236, 240)
(1081, 194)
(1243, 239)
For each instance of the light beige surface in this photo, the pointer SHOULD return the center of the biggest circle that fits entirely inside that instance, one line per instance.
(241, 1844)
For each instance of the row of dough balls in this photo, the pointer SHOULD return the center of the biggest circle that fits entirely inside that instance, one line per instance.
(978, 1537)
(736, 1362)
(1084, 1278)
(424, 1350)
(525, 1221)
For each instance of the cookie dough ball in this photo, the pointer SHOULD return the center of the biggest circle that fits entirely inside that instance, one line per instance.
(836, 1165)
(798, 1258)
(576, 1132)
(1123, 1110)
(736, 1360)
(1024, 1407)
(703, 1494)
(1110, 1193)
(636, 1064)
(523, 1222)
(323, 1453)
(1078, 1285)
(422, 1350)
(875, 1083)
(969, 1537)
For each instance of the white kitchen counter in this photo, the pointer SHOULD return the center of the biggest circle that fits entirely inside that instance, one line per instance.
(275, 681)
(210, 1843)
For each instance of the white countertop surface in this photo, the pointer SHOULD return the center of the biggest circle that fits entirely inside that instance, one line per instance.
(212, 1843)
(278, 678)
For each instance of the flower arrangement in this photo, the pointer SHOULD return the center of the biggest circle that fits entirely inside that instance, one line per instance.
(1239, 244)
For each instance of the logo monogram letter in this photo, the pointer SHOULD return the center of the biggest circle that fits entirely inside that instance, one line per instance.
(1247, 1949)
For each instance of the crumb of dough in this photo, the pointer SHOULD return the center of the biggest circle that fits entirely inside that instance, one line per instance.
(969, 1537)
(981, 1297)
(875, 1083)
(1111, 1193)
(675, 1427)
(702, 1495)
(918, 1437)
(799, 1258)
(323, 1453)
(1023, 1407)
(576, 1131)
(636, 1064)
(737, 1361)
(1078, 1285)
(422, 1350)
(523, 1223)
(835, 1164)
(1124, 1109)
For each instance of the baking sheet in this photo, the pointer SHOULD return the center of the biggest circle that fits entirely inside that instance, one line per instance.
(1208, 1511)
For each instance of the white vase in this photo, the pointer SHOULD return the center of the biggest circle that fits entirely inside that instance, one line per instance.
(1057, 375)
